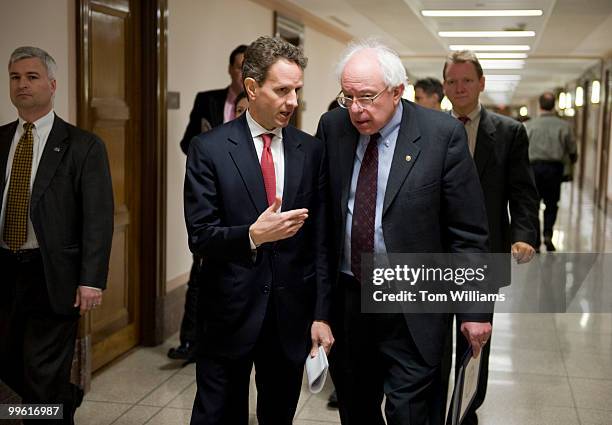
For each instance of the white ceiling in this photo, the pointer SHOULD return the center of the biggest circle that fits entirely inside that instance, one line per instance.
(571, 36)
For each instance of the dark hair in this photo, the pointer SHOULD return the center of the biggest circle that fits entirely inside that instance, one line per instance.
(463, 56)
(333, 105)
(241, 95)
(430, 86)
(240, 49)
(547, 101)
(264, 52)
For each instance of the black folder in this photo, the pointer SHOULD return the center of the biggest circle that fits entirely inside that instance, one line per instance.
(465, 388)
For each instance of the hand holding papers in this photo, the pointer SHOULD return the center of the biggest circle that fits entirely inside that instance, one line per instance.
(316, 370)
(465, 387)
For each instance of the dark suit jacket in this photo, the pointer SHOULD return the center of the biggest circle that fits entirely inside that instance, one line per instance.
(71, 208)
(224, 195)
(433, 203)
(209, 105)
(502, 159)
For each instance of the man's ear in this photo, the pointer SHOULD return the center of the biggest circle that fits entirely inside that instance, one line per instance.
(397, 92)
(250, 86)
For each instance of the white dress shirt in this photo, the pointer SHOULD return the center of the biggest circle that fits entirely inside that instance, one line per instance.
(278, 154)
(41, 130)
(471, 127)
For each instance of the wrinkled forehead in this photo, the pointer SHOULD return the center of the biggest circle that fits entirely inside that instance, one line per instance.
(363, 66)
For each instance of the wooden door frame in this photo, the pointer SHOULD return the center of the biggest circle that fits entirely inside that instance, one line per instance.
(151, 42)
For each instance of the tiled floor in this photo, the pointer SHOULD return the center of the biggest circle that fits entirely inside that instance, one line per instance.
(546, 369)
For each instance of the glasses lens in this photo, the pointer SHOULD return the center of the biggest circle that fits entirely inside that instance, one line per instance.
(344, 102)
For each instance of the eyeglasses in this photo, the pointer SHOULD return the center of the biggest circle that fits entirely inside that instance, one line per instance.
(364, 102)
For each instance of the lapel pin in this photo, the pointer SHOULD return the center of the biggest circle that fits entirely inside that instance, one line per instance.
(408, 158)
(57, 149)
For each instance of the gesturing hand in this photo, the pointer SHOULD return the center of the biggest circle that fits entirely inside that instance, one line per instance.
(273, 226)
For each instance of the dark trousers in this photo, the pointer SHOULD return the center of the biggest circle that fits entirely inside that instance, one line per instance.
(548, 178)
(189, 332)
(461, 347)
(222, 397)
(374, 356)
(36, 344)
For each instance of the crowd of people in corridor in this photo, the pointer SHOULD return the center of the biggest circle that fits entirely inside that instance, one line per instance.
(279, 222)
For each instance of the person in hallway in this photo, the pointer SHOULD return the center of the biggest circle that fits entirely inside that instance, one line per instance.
(499, 146)
(550, 142)
(255, 206)
(211, 109)
(428, 92)
(56, 228)
(241, 104)
(401, 181)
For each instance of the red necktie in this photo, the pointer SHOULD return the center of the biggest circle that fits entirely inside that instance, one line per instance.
(464, 119)
(267, 168)
(364, 209)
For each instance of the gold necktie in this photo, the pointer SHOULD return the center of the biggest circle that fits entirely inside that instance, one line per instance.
(18, 199)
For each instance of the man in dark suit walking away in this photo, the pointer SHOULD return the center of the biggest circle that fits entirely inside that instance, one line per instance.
(255, 208)
(499, 147)
(56, 227)
(401, 181)
(214, 107)
(210, 109)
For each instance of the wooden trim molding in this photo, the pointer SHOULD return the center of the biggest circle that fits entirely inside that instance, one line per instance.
(154, 135)
(301, 15)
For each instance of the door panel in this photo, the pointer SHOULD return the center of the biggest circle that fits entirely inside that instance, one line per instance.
(110, 108)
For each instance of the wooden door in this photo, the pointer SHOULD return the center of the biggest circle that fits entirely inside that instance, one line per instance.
(109, 105)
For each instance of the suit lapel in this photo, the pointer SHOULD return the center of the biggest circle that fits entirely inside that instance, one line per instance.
(405, 155)
(219, 108)
(6, 138)
(348, 148)
(243, 153)
(55, 148)
(484, 141)
(294, 164)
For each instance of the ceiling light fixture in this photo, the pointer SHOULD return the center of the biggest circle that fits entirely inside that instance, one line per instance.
(502, 64)
(486, 33)
(502, 55)
(480, 13)
(490, 47)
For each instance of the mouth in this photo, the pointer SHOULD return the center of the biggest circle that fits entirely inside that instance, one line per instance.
(286, 115)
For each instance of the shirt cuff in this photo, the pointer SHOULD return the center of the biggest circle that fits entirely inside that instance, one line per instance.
(91, 287)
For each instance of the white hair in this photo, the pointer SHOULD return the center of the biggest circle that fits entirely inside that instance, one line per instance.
(391, 67)
(27, 52)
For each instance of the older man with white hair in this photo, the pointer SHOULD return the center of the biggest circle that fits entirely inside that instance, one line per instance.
(401, 181)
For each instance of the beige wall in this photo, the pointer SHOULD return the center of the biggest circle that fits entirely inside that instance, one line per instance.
(50, 25)
(201, 36)
(320, 83)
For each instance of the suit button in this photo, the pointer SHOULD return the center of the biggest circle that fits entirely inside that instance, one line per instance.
(265, 289)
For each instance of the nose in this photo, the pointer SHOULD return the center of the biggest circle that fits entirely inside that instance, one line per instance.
(292, 99)
(355, 107)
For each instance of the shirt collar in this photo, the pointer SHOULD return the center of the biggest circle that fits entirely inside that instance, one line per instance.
(392, 125)
(257, 130)
(41, 125)
(472, 115)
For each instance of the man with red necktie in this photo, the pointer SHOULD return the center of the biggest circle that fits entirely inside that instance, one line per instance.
(255, 210)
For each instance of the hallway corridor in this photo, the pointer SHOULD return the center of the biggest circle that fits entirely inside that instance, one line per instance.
(546, 369)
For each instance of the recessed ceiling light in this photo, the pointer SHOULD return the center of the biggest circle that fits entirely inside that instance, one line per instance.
(478, 13)
(486, 33)
(489, 47)
(502, 64)
(501, 55)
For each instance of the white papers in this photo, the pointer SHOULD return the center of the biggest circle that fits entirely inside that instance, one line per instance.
(470, 383)
(465, 388)
(316, 370)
